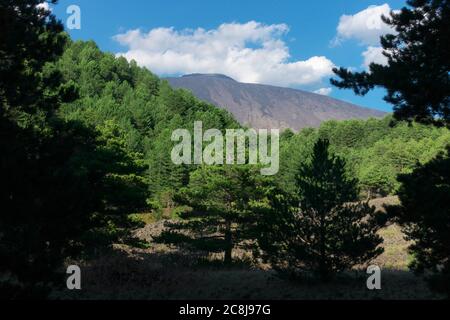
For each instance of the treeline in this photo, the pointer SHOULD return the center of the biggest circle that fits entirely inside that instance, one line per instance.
(376, 150)
(120, 98)
(320, 228)
(67, 187)
(140, 110)
(86, 142)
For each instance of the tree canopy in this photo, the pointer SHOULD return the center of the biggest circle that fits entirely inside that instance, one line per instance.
(65, 186)
(323, 228)
(417, 74)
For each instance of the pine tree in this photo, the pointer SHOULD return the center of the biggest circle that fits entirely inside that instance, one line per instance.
(56, 189)
(220, 198)
(424, 214)
(324, 230)
(417, 75)
(417, 78)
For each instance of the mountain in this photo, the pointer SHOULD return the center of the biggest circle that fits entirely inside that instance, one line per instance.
(267, 107)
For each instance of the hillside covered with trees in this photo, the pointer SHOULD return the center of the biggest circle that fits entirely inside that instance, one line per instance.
(376, 151)
(143, 111)
(87, 154)
(132, 109)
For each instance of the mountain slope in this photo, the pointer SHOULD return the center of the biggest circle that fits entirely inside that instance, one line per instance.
(263, 106)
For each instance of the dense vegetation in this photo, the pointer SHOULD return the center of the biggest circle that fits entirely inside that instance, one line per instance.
(142, 109)
(64, 185)
(376, 151)
(221, 209)
(416, 76)
(145, 111)
(323, 228)
(426, 222)
(417, 80)
(86, 141)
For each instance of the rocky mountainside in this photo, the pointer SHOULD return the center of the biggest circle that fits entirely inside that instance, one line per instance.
(263, 106)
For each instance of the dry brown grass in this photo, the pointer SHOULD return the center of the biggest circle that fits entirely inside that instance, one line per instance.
(381, 202)
(395, 256)
(138, 274)
(162, 272)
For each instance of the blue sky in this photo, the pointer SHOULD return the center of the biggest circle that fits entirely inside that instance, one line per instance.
(289, 43)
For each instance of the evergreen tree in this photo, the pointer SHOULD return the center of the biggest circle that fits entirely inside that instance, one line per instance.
(417, 78)
(57, 191)
(417, 75)
(324, 229)
(424, 214)
(146, 109)
(220, 198)
(377, 180)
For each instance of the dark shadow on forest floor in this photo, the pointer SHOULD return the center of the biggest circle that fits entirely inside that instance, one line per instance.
(151, 274)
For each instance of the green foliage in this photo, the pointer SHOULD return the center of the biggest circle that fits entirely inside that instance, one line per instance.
(221, 216)
(146, 110)
(417, 76)
(424, 214)
(417, 79)
(66, 186)
(86, 140)
(30, 38)
(33, 238)
(377, 179)
(375, 150)
(324, 229)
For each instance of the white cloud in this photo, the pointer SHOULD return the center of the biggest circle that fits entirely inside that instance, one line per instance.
(365, 26)
(374, 55)
(324, 91)
(251, 52)
(44, 5)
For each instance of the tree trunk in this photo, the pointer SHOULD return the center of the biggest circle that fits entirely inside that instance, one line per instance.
(228, 243)
(323, 270)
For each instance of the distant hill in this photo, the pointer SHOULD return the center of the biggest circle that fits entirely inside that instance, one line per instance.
(263, 106)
